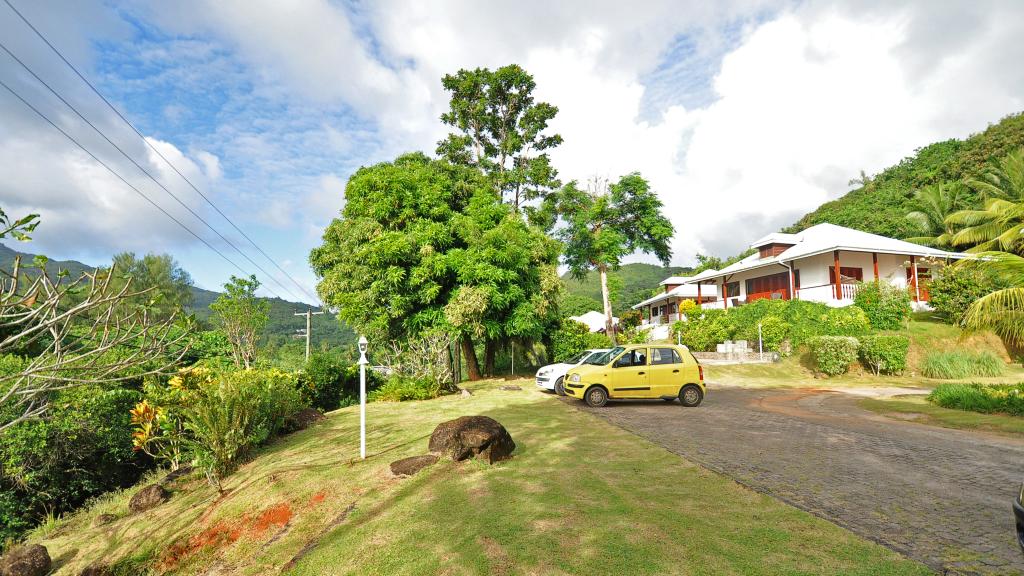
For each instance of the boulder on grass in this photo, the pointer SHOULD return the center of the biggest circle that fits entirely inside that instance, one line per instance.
(97, 568)
(149, 497)
(103, 520)
(303, 419)
(31, 560)
(410, 466)
(472, 437)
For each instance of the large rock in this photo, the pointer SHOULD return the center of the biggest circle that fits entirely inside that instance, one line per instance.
(412, 465)
(149, 497)
(472, 437)
(31, 560)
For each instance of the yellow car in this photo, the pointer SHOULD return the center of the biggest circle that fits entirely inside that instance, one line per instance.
(638, 371)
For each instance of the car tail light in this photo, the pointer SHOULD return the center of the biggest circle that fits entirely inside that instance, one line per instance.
(701, 370)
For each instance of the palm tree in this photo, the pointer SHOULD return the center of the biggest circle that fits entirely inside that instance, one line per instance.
(935, 204)
(999, 225)
(1001, 311)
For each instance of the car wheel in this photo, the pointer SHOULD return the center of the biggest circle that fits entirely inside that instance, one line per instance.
(691, 395)
(596, 397)
(559, 387)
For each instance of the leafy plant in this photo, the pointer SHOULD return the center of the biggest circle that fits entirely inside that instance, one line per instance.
(956, 288)
(985, 398)
(887, 306)
(834, 354)
(322, 382)
(961, 364)
(570, 339)
(703, 332)
(885, 353)
(242, 317)
(402, 388)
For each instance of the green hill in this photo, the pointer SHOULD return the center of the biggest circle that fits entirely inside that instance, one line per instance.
(880, 205)
(629, 284)
(283, 324)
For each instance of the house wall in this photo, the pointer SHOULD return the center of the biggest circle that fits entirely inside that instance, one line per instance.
(815, 281)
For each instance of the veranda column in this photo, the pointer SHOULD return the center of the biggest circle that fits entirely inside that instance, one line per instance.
(913, 278)
(725, 294)
(700, 305)
(839, 280)
(874, 260)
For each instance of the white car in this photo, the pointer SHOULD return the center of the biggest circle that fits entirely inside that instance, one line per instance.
(550, 377)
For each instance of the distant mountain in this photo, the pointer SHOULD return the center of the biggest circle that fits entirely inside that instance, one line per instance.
(283, 323)
(881, 204)
(636, 282)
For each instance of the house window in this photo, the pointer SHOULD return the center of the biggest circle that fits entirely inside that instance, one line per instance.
(733, 289)
(846, 275)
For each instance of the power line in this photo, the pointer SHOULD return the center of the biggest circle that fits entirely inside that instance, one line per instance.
(122, 179)
(140, 167)
(158, 153)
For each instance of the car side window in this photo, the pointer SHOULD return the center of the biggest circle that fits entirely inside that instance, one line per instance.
(664, 356)
(632, 358)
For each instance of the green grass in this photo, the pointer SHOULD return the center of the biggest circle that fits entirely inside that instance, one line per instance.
(580, 497)
(960, 364)
(985, 398)
(918, 409)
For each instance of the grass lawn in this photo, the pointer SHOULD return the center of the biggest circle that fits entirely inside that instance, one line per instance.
(579, 497)
(918, 409)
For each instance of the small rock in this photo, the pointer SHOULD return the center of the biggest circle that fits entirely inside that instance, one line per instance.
(103, 520)
(303, 419)
(31, 560)
(472, 437)
(466, 393)
(509, 387)
(97, 568)
(149, 497)
(175, 474)
(410, 466)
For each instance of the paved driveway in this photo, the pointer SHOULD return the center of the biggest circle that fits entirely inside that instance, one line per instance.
(937, 495)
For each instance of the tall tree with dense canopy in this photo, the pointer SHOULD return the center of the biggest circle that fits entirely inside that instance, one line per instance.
(933, 205)
(999, 225)
(242, 316)
(500, 131)
(169, 287)
(603, 225)
(425, 245)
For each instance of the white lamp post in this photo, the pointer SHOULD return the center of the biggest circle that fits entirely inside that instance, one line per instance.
(363, 344)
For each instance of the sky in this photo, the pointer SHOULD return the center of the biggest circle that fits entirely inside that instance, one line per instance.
(743, 114)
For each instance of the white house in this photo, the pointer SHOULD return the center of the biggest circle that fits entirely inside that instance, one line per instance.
(823, 263)
(594, 320)
(664, 308)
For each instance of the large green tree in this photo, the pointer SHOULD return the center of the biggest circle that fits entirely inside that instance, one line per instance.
(605, 224)
(500, 131)
(1001, 311)
(999, 225)
(168, 285)
(242, 317)
(426, 245)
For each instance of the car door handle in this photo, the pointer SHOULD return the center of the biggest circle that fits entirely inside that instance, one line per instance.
(641, 373)
(676, 371)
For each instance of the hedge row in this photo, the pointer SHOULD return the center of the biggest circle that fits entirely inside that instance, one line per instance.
(881, 353)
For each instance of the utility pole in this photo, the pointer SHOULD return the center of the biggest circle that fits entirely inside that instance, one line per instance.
(309, 325)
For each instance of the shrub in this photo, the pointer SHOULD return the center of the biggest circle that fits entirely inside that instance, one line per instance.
(630, 319)
(702, 333)
(402, 388)
(79, 450)
(688, 307)
(570, 339)
(597, 340)
(845, 321)
(322, 382)
(887, 307)
(240, 411)
(961, 364)
(774, 331)
(834, 354)
(885, 353)
(986, 398)
(956, 288)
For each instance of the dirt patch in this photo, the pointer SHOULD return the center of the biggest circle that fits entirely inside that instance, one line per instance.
(500, 563)
(317, 499)
(225, 533)
(278, 515)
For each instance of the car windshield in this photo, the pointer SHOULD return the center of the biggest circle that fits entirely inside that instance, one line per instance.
(579, 357)
(604, 357)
